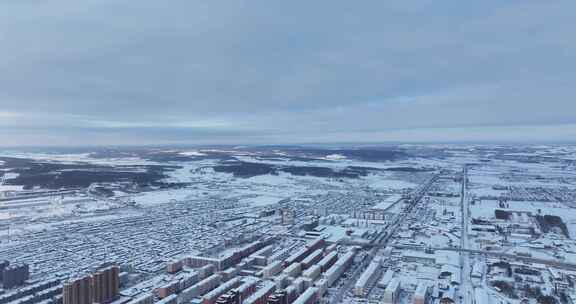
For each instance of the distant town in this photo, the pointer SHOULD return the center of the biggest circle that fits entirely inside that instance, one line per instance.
(395, 224)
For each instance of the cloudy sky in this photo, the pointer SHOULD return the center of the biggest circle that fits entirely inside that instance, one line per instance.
(157, 72)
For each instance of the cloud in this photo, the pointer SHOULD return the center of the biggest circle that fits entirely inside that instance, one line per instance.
(192, 124)
(8, 115)
(265, 70)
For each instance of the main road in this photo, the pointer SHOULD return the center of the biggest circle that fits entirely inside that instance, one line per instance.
(382, 240)
(466, 290)
(513, 257)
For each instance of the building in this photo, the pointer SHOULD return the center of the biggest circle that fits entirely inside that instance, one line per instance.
(411, 256)
(386, 278)
(143, 299)
(333, 273)
(173, 299)
(248, 287)
(228, 260)
(206, 271)
(380, 211)
(212, 296)
(421, 294)
(101, 288)
(232, 297)
(328, 260)
(15, 275)
(167, 289)
(174, 267)
(200, 288)
(312, 259)
(3, 264)
(293, 270)
(481, 296)
(198, 261)
(106, 284)
(313, 272)
(308, 297)
(448, 296)
(279, 297)
(369, 276)
(34, 293)
(261, 295)
(392, 292)
(272, 269)
(78, 291)
(288, 216)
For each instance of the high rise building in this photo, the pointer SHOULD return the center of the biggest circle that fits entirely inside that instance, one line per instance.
(78, 291)
(103, 287)
(106, 284)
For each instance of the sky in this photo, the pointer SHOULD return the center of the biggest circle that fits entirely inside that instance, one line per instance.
(114, 72)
